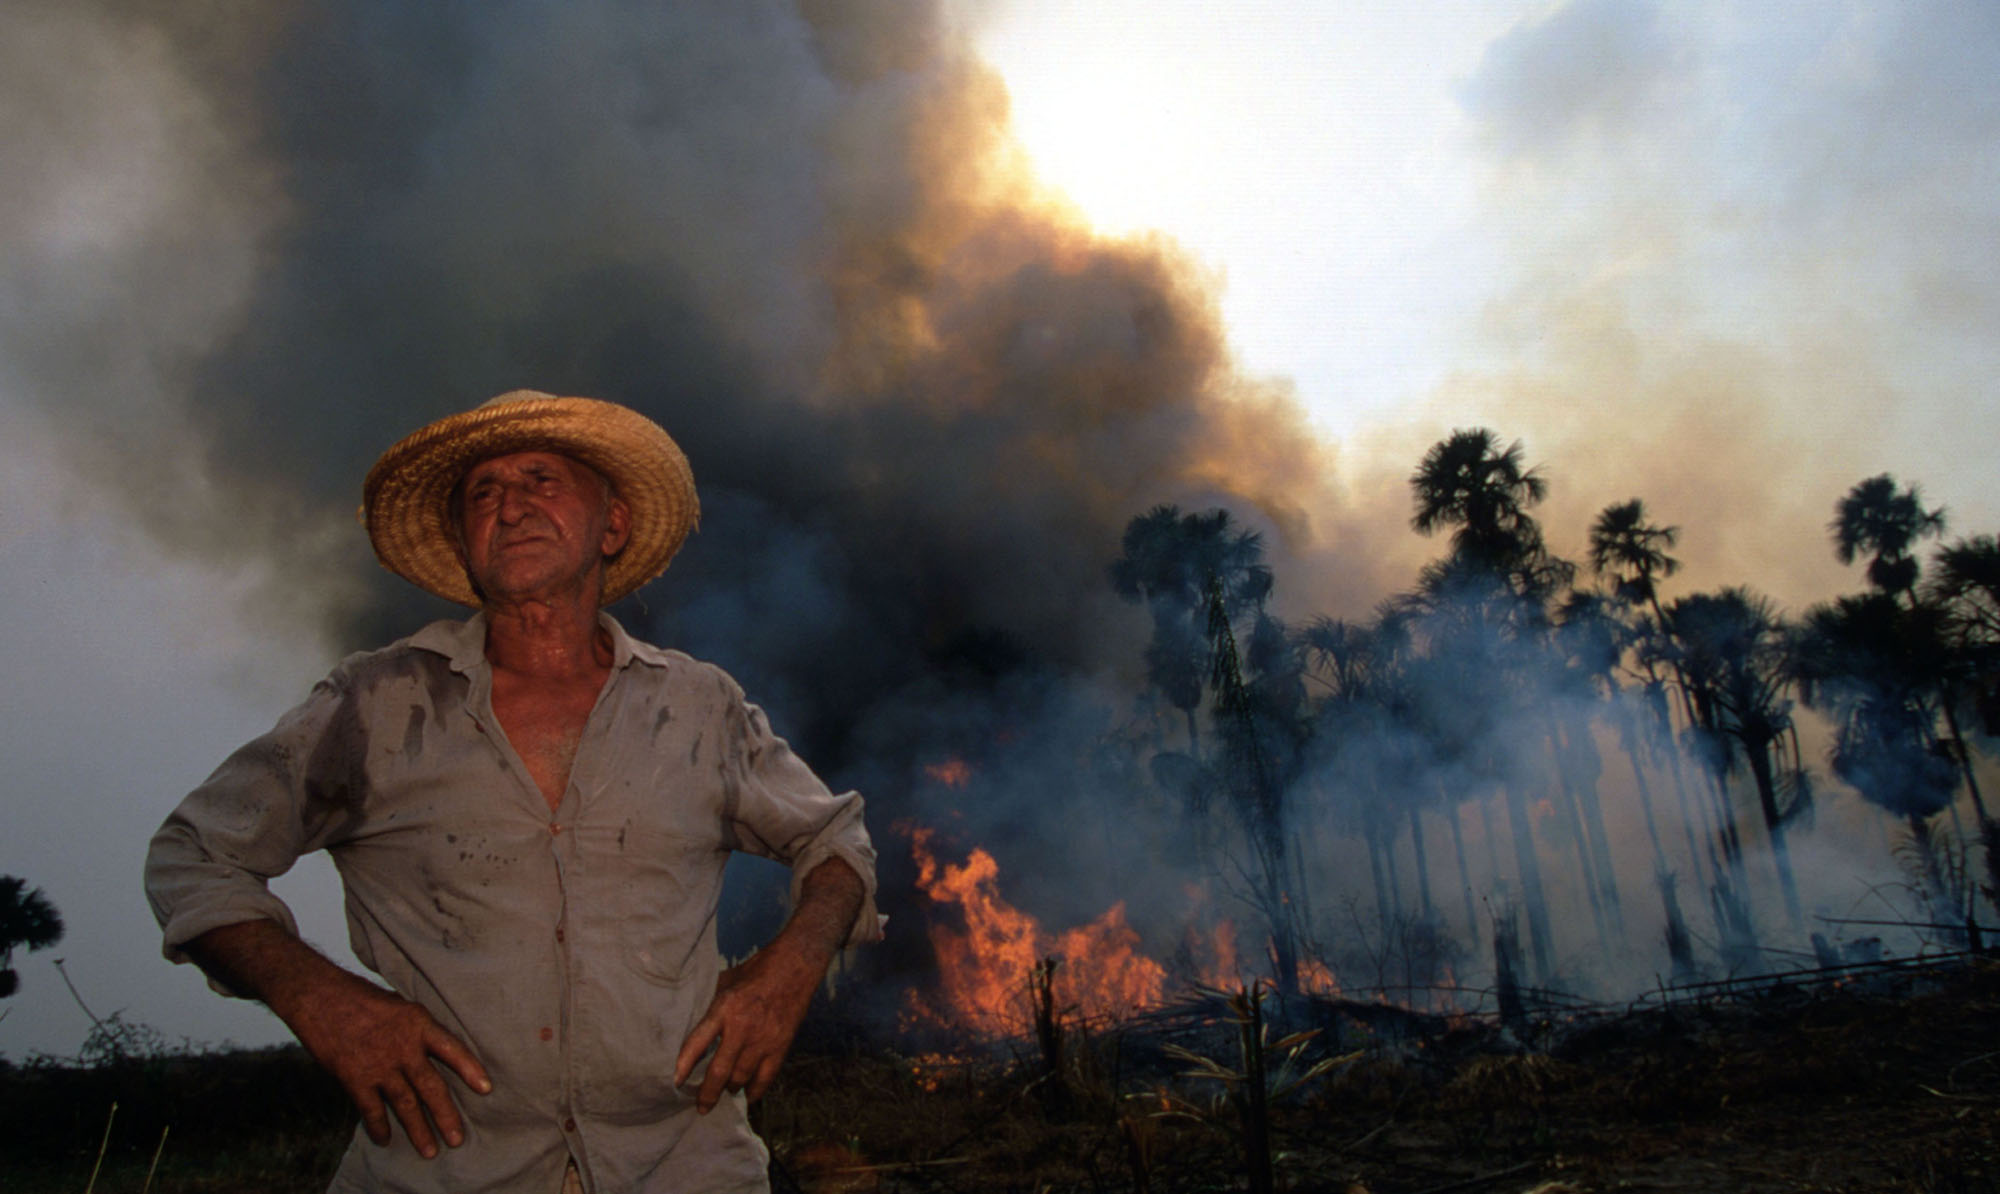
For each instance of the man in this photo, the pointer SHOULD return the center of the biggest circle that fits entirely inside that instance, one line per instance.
(530, 812)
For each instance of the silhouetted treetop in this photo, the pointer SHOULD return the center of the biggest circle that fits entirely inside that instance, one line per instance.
(1877, 519)
(26, 918)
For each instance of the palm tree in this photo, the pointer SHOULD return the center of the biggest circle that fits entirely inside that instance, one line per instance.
(1886, 523)
(1370, 749)
(1632, 551)
(1168, 561)
(1469, 482)
(1967, 580)
(1476, 684)
(1876, 668)
(1965, 587)
(26, 918)
(1261, 753)
(1731, 654)
(1485, 609)
(1877, 517)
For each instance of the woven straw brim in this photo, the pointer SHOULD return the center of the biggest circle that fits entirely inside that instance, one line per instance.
(405, 500)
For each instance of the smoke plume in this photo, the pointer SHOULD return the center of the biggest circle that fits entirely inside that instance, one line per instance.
(246, 247)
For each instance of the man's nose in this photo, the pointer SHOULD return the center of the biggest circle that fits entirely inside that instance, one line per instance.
(513, 503)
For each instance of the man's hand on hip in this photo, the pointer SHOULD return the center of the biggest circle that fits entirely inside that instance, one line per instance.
(759, 1004)
(751, 1022)
(379, 1045)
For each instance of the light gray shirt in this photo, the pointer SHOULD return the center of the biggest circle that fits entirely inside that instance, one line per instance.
(573, 952)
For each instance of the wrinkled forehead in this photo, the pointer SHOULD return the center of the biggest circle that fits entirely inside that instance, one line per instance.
(507, 464)
(531, 462)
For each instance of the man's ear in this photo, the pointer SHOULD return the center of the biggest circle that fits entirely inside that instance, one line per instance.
(617, 527)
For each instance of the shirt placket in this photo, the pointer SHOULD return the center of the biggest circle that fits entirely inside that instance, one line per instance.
(592, 745)
(563, 846)
(568, 867)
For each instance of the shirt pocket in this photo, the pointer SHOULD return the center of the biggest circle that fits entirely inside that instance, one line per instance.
(660, 892)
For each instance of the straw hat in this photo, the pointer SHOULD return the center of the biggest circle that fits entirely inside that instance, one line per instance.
(405, 500)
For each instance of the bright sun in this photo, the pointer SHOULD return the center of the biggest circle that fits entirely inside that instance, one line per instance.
(1133, 138)
(1114, 136)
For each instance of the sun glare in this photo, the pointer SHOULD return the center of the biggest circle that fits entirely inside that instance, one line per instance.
(1314, 154)
(1122, 141)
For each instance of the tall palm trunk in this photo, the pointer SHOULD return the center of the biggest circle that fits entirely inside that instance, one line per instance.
(1492, 838)
(1385, 838)
(1963, 755)
(1628, 739)
(1680, 948)
(1464, 873)
(1528, 869)
(1781, 857)
(1423, 863)
(1579, 766)
(1385, 888)
(1692, 815)
(1936, 897)
(1563, 800)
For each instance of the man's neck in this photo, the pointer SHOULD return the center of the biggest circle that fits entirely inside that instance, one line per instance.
(549, 640)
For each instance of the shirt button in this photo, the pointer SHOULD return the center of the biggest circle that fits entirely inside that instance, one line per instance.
(569, 1125)
(555, 828)
(559, 933)
(548, 1034)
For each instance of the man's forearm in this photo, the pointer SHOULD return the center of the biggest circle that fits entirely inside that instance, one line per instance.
(260, 960)
(830, 897)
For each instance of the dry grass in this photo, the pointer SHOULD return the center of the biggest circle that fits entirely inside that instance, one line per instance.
(1834, 1092)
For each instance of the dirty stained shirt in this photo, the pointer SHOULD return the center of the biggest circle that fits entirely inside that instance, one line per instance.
(571, 952)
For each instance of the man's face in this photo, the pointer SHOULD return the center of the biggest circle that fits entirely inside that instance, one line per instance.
(537, 526)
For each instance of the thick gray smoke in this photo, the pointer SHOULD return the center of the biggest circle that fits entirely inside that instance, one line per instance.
(920, 409)
(917, 408)
(249, 246)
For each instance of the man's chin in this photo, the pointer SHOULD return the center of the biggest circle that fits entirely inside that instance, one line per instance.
(525, 586)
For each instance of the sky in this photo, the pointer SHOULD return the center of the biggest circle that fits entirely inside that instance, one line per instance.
(1727, 257)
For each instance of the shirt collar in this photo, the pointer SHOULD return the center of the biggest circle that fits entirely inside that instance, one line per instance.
(464, 643)
(625, 648)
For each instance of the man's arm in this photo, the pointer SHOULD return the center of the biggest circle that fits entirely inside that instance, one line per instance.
(759, 1004)
(376, 1043)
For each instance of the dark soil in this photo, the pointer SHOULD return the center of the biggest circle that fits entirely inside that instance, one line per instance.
(1889, 1085)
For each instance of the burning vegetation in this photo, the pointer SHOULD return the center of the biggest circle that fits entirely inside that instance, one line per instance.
(1001, 536)
(993, 524)
(1492, 702)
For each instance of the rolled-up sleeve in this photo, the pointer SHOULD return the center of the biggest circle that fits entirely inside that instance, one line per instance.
(210, 863)
(778, 808)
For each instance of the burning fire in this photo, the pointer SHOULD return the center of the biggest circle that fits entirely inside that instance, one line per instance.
(984, 966)
(1316, 978)
(987, 953)
(1222, 971)
(952, 773)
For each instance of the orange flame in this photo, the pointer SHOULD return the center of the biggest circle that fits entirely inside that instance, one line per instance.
(984, 967)
(1218, 966)
(952, 773)
(1316, 978)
